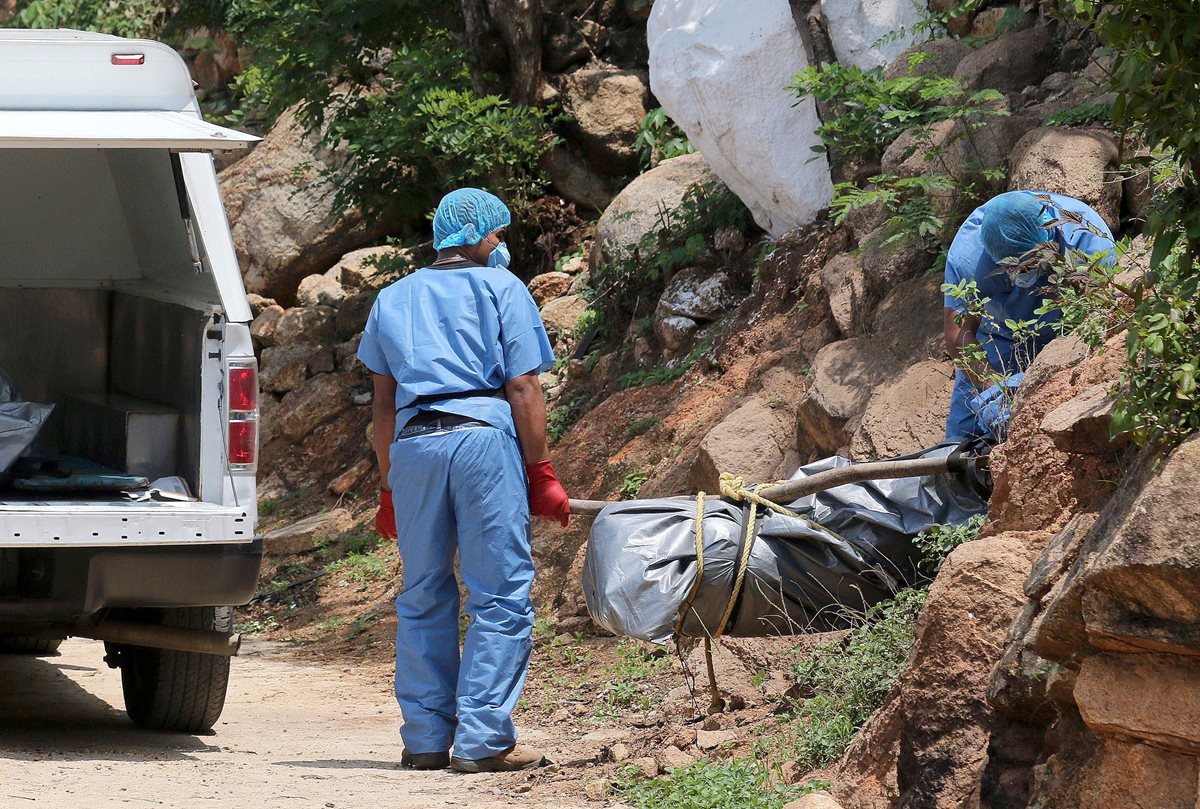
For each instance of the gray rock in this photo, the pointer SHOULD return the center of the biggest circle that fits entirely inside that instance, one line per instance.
(264, 325)
(303, 536)
(1080, 163)
(315, 402)
(843, 376)
(1011, 63)
(320, 290)
(698, 294)
(572, 177)
(284, 368)
(608, 106)
(942, 56)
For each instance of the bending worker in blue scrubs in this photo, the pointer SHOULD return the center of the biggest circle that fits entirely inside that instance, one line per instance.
(455, 349)
(1009, 225)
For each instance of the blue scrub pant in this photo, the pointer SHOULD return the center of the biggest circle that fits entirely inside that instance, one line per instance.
(962, 422)
(462, 489)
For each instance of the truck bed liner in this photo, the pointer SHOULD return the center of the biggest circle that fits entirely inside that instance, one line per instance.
(43, 522)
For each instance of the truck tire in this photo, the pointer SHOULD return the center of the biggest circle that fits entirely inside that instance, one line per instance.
(176, 691)
(24, 645)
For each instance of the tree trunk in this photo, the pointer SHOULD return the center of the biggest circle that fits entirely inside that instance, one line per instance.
(518, 24)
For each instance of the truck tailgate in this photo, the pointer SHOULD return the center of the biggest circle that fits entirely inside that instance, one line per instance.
(91, 523)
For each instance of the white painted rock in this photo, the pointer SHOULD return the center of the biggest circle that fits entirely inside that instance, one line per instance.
(861, 30)
(722, 74)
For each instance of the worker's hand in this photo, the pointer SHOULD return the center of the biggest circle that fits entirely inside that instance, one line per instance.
(385, 517)
(546, 495)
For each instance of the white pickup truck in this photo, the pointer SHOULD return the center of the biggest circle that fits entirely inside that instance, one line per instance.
(123, 307)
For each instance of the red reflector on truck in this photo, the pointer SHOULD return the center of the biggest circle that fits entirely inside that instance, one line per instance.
(129, 58)
(243, 442)
(243, 389)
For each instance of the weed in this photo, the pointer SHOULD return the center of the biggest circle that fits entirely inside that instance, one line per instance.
(663, 375)
(732, 784)
(937, 542)
(257, 626)
(632, 484)
(1089, 112)
(360, 567)
(625, 679)
(642, 426)
(329, 625)
(563, 416)
(359, 540)
(543, 627)
(659, 138)
(846, 681)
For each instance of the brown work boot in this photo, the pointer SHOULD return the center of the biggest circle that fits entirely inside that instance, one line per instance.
(424, 761)
(517, 757)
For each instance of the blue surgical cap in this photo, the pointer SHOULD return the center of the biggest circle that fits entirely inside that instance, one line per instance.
(1013, 224)
(467, 215)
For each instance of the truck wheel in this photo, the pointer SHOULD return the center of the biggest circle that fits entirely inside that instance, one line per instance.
(23, 645)
(177, 691)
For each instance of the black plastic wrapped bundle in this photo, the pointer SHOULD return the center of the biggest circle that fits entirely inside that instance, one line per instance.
(850, 548)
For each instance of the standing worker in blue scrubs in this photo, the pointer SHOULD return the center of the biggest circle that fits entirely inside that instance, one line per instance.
(1007, 226)
(460, 434)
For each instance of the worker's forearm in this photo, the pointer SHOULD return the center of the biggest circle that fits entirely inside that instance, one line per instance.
(383, 427)
(529, 416)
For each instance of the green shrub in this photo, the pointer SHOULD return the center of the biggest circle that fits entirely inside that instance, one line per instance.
(669, 373)
(642, 426)
(561, 418)
(360, 567)
(683, 236)
(128, 18)
(847, 681)
(1089, 112)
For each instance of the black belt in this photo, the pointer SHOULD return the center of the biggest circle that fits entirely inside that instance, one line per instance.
(432, 417)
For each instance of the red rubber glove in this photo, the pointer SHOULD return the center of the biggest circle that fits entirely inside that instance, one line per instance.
(385, 517)
(546, 495)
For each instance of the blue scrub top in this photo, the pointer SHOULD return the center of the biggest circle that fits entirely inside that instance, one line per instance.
(967, 260)
(453, 330)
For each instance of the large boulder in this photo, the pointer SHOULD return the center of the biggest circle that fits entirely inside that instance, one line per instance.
(909, 320)
(906, 415)
(320, 290)
(284, 368)
(318, 400)
(698, 294)
(635, 211)
(1011, 63)
(720, 72)
(578, 182)
(752, 442)
(608, 106)
(940, 58)
(1080, 163)
(844, 374)
(561, 315)
(281, 212)
(306, 324)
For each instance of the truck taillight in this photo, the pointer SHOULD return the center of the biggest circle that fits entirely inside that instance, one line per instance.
(243, 388)
(243, 414)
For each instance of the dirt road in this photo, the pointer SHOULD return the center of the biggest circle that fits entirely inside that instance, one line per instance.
(293, 735)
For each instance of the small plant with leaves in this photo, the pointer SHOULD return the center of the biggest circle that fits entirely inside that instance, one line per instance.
(562, 416)
(632, 484)
(938, 541)
(642, 426)
(659, 138)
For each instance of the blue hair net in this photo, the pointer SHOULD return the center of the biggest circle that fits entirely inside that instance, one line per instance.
(467, 215)
(1013, 224)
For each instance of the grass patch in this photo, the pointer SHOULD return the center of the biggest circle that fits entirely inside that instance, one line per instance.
(732, 784)
(665, 374)
(329, 625)
(360, 567)
(846, 681)
(275, 506)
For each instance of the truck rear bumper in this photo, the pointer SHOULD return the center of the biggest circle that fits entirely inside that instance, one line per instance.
(63, 523)
(46, 587)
